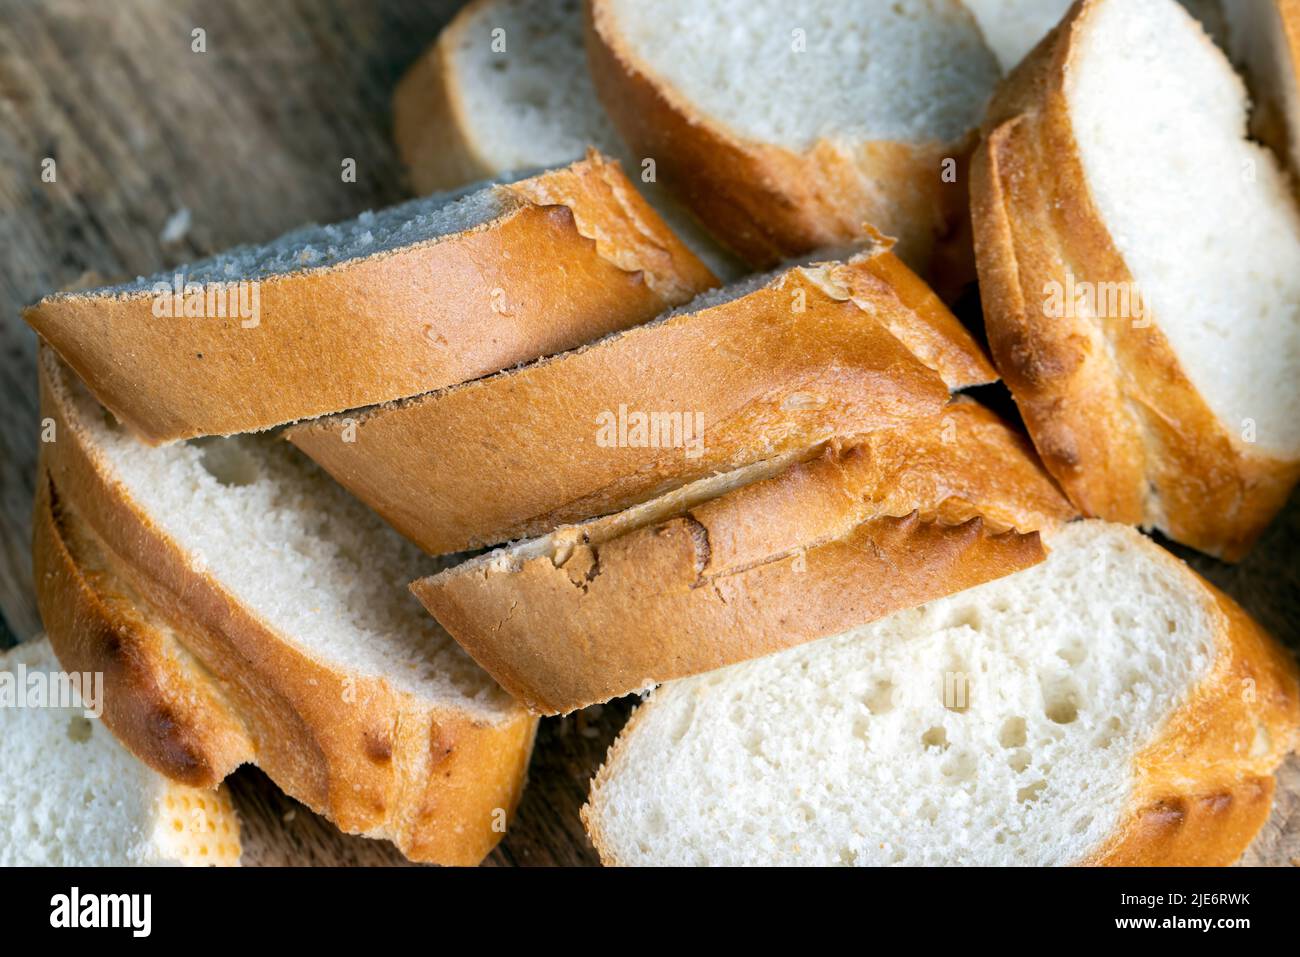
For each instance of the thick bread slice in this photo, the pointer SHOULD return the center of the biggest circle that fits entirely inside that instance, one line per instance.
(1105, 707)
(506, 86)
(1150, 334)
(1264, 36)
(693, 582)
(395, 303)
(786, 127)
(287, 592)
(72, 796)
(760, 370)
(168, 709)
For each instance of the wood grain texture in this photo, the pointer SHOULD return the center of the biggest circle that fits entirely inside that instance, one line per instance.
(250, 137)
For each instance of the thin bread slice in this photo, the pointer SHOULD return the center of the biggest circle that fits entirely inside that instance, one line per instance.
(760, 370)
(392, 304)
(786, 128)
(1150, 333)
(506, 86)
(1105, 707)
(741, 566)
(72, 796)
(287, 593)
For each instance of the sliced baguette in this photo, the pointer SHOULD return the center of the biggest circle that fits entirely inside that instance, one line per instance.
(287, 593)
(1105, 707)
(763, 369)
(787, 128)
(395, 303)
(744, 565)
(72, 796)
(1172, 412)
(506, 86)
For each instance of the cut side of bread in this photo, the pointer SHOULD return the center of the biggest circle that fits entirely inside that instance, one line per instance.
(1149, 328)
(787, 127)
(750, 563)
(1104, 707)
(392, 304)
(72, 796)
(760, 370)
(242, 556)
(1264, 36)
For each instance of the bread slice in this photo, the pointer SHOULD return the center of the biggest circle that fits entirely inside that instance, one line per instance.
(71, 796)
(744, 565)
(787, 128)
(506, 86)
(1264, 36)
(1149, 332)
(1105, 707)
(765, 368)
(395, 303)
(241, 556)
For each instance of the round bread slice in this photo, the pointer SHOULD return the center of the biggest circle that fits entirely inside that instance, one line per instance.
(760, 370)
(751, 562)
(1139, 261)
(71, 796)
(288, 594)
(786, 127)
(415, 297)
(1107, 706)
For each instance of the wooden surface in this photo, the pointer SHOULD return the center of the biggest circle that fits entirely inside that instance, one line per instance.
(250, 137)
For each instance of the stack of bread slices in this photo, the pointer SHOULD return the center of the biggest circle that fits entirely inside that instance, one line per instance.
(514, 450)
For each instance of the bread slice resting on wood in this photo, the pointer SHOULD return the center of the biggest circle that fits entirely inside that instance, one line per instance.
(244, 609)
(1107, 706)
(1139, 263)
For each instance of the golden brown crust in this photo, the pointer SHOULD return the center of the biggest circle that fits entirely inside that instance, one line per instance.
(1109, 407)
(429, 124)
(576, 253)
(822, 547)
(160, 704)
(437, 781)
(806, 357)
(1205, 786)
(765, 202)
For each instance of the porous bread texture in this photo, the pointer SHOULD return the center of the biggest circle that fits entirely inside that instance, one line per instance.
(996, 726)
(791, 73)
(530, 103)
(1202, 216)
(71, 796)
(313, 246)
(314, 563)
